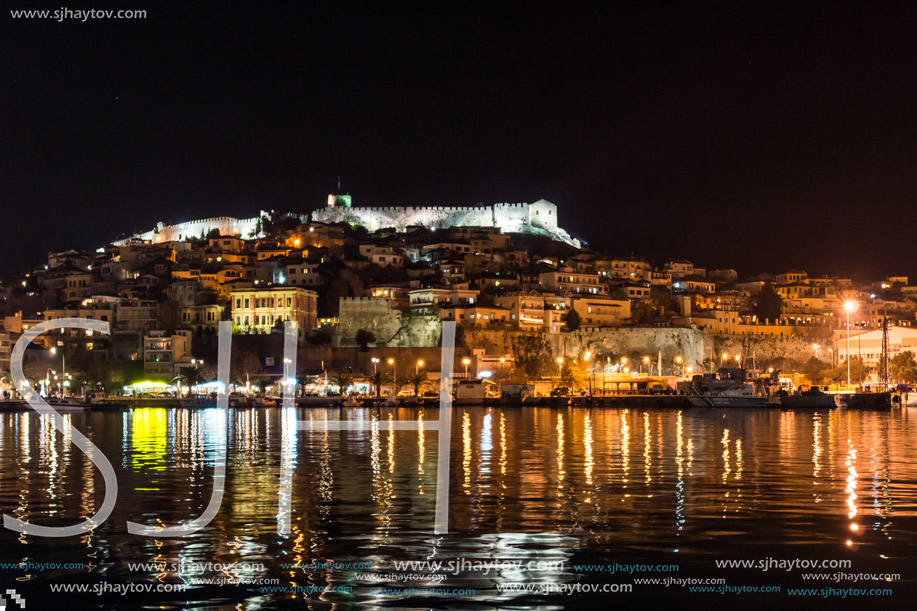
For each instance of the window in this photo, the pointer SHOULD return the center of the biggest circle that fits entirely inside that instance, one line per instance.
(246, 307)
(289, 301)
(238, 303)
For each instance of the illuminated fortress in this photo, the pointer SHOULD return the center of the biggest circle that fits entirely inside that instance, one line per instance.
(538, 218)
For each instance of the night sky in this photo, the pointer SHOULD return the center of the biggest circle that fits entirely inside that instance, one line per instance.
(736, 136)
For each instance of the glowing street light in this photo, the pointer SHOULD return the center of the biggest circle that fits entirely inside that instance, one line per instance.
(375, 363)
(394, 365)
(466, 361)
(418, 366)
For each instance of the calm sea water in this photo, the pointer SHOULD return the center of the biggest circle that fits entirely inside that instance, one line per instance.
(562, 489)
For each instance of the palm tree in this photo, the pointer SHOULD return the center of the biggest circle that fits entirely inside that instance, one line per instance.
(416, 381)
(342, 381)
(379, 379)
(304, 380)
(189, 375)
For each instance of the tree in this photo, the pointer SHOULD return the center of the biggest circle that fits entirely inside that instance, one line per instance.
(903, 368)
(245, 362)
(364, 338)
(416, 381)
(342, 381)
(192, 375)
(573, 320)
(768, 304)
(304, 380)
(838, 375)
(813, 369)
(379, 379)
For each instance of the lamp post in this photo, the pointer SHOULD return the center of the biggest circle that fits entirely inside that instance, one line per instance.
(680, 361)
(560, 366)
(418, 366)
(849, 306)
(502, 363)
(586, 358)
(815, 347)
(63, 361)
(649, 366)
(375, 363)
(392, 362)
(466, 361)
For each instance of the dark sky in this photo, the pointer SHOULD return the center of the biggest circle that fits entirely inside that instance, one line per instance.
(738, 136)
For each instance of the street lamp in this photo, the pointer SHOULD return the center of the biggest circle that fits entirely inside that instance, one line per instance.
(850, 306)
(466, 361)
(649, 368)
(560, 366)
(418, 366)
(375, 363)
(815, 347)
(680, 361)
(725, 357)
(502, 363)
(392, 362)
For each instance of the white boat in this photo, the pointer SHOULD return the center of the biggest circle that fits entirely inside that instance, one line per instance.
(66, 404)
(737, 396)
(727, 388)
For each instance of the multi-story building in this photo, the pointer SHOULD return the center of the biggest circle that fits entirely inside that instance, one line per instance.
(201, 318)
(566, 281)
(165, 353)
(260, 310)
(601, 312)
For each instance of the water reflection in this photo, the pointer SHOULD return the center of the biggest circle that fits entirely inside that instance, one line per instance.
(526, 483)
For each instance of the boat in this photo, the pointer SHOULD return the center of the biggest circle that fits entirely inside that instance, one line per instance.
(811, 398)
(263, 402)
(195, 402)
(872, 400)
(66, 404)
(728, 387)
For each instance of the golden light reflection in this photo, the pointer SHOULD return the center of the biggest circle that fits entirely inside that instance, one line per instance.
(502, 448)
(738, 459)
(679, 463)
(725, 442)
(391, 443)
(647, 445)
(625, 446)
(816, 453)
(561, 474)
(466, 451)
(420, 448)
(850, 463)
(587, 441)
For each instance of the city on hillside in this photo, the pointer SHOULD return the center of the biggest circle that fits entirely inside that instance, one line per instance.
(370, 287)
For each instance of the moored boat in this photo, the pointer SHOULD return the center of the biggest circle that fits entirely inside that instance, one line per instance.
(810, 398)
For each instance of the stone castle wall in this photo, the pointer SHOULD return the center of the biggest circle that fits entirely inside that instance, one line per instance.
(372, 314)
(538, 218)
